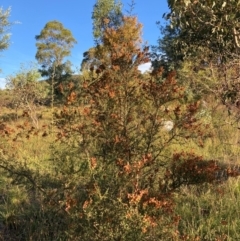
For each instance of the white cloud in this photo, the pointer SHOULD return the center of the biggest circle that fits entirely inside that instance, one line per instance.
(145, 67)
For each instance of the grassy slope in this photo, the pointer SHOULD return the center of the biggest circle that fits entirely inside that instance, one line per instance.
(206, 211)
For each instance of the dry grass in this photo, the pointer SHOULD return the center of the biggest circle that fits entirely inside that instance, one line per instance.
(206, 212)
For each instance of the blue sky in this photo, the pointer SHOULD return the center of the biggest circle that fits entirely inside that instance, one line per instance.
(74, 15)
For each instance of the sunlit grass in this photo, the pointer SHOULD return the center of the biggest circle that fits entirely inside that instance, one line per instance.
(207, 212)
(210, 211)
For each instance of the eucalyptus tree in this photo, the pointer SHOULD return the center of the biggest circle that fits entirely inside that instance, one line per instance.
(54, 44)
(206, 24)
(206, 33)
(207, 28)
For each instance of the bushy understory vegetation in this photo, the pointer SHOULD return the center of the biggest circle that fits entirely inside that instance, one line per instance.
(116, 154)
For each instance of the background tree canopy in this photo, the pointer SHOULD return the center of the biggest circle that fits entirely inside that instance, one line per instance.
(205, 24)
(53, 45)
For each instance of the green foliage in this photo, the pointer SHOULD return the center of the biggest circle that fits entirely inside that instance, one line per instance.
(203, 35)
(4, 25)
(208, 24)
(26, 85)
(106, 14)
(53, 45)
(166, 53)
(28, 90)
(103, 10)
(24, 77)
(89, 59)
